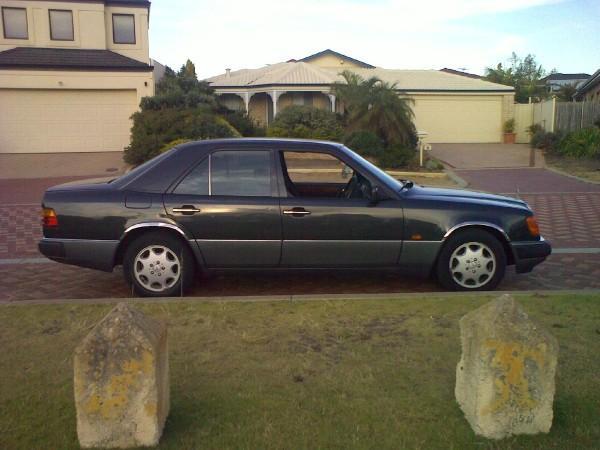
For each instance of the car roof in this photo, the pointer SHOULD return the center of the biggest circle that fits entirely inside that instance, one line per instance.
(257, 140)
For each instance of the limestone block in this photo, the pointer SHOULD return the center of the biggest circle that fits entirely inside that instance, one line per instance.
(505, 378)
(121, 381)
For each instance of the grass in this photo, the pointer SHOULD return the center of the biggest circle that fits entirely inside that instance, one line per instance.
(587, 168)
(322, 374)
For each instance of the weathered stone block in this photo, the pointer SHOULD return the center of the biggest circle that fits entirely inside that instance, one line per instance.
(122, 381)
(505, 378)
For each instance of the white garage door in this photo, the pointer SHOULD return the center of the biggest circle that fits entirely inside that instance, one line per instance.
(40, 121)
(459, 119)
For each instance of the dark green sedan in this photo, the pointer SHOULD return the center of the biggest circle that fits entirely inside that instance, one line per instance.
(270, 204)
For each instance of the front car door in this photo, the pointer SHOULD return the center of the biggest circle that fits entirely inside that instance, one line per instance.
(228, 201)
(326, 225)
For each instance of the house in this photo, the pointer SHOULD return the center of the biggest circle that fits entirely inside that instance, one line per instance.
(71, 73)
(460, 72)
(449, 107)
(555, 81)
(589, 91)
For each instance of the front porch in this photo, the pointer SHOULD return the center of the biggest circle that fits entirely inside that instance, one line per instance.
(263, 105)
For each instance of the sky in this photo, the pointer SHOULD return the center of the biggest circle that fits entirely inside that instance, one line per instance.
(418, 34)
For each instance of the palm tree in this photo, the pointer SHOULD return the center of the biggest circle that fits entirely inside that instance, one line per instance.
(375, 106)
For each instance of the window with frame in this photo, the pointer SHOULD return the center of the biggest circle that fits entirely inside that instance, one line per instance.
(61, 25)
(14, 23)
(234, 173)
(195, 182)
(123, 28)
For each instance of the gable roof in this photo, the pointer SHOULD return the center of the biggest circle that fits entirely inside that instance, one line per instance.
(565, 76)
(337, 55)
(591, 82)
(304, 74)
(69, 59)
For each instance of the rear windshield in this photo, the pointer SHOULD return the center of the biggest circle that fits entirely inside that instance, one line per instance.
(142, 168)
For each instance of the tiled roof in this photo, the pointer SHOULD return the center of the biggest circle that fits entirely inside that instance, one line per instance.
(337, 55)
(68, 59)
(460, 72)
(301, 73)
(566, 76)
(591, 82)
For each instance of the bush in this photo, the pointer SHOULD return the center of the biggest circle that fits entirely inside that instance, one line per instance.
(546, 140)
(306, 122)
(242, 123)
(584, 143)
(397, 156)
(509, 126)
(170, 145)
(365, 143)
(153, 129)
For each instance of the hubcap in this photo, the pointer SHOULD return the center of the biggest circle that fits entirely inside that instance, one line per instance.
(157, 268)
(472, 265)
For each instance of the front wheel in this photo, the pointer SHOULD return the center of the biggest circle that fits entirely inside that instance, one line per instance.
(157, 264)
(471, 260)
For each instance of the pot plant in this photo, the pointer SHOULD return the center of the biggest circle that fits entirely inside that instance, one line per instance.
(509, 131)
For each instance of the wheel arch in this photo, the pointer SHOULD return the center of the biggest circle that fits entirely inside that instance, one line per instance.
(137, 230)
(495, 230)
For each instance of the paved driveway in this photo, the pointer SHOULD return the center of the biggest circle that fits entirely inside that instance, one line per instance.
(479, 156)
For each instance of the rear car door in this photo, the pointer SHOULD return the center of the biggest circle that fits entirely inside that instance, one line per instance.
(228, 201)
(323, 226)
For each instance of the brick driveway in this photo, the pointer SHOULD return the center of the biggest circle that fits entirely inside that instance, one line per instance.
(569, 218)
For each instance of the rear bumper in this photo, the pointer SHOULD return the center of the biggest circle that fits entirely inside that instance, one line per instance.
(527, 255)
(93, 254)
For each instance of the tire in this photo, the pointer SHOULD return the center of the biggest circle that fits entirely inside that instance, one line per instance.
(173, 275)
(478, 260)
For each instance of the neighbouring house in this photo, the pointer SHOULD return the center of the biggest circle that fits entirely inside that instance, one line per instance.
(71, 73)
(448, 106)
(590, 90)
(555, 81)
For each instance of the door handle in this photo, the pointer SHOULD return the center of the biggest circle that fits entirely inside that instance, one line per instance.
(296, 212)
(186, 210)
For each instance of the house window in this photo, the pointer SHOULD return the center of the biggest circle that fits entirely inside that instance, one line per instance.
(61, 25)
(123, 29)
(14, 23)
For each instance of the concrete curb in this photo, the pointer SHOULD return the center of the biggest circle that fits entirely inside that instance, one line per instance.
(462, 183)
(566, 174)
(299, 298)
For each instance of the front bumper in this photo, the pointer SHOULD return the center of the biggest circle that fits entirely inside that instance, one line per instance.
(529, 254)
(93, 254)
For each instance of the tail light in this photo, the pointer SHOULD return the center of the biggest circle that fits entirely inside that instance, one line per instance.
(49, 218)
(532, 226)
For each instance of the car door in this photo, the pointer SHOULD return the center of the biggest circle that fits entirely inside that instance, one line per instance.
(229, 203)
(322, 228)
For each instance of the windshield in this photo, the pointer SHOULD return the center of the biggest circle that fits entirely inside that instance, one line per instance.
(387, 178)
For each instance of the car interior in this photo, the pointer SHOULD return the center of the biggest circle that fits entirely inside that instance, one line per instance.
(320, 175)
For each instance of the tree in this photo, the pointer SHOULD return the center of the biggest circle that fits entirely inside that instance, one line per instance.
(374, 105)
(566, 92)
(523, 74)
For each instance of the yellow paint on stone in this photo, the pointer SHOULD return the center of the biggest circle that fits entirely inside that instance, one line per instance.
(511, 383)
(115, 396)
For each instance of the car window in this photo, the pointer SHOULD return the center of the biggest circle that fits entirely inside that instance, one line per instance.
(195, 182)
(241, 173)
(315, 167)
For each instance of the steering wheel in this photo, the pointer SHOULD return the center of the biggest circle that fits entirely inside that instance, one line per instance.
(349, 189)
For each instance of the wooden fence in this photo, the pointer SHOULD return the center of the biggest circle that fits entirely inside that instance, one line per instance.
(574, 116)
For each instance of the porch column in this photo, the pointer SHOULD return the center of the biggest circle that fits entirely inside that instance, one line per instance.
(275, 97)
(332, 101)
(246, 97)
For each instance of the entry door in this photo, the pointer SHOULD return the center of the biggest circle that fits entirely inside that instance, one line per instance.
(227, 202)
(323, 228)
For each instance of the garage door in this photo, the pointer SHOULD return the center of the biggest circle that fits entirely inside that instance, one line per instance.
(459, 119)
(40, 121)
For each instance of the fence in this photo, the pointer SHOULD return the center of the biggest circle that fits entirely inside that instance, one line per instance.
(553, 116)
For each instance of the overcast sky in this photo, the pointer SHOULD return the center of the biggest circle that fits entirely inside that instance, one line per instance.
(415, 34)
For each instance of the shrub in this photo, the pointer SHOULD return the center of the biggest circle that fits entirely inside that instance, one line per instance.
(168, 146)
(397, 156)
(242, 123)
(306, 122)
(365, 143)
(153, 129)
(509, 126)
(546, 140)
(584, 143)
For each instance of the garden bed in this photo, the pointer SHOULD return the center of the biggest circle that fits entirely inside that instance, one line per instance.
(586, 168)
(323, 374)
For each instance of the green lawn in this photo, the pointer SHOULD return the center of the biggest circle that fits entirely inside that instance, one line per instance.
(315, 374)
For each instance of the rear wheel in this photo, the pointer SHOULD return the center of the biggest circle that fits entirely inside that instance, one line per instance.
(471, 260)
(158, 264)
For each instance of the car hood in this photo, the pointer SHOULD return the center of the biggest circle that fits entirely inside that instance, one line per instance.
(87, 184)
(462, 195)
